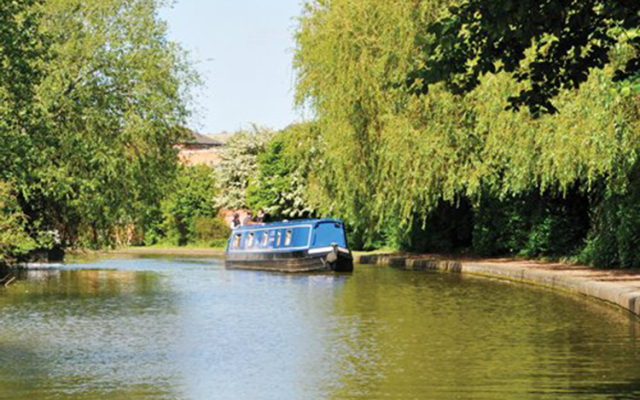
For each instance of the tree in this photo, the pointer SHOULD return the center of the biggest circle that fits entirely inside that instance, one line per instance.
(280, 187)
(91, 95)
(239, 165)
(111, 100)
(550, 45)
(388, 160)
(22, 51)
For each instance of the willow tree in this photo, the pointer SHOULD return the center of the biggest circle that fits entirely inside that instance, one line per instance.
(350, 58)
(390, 157)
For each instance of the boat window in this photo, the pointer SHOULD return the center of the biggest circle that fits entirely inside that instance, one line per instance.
(265, 238)
(278, 237)
(236, 240)
(250, 240)
(287, 239)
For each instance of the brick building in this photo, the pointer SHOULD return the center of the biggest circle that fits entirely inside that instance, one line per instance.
(200, 149)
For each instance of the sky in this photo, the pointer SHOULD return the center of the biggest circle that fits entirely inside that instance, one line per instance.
(244, 51)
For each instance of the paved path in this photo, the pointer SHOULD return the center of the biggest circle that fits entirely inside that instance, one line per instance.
(620, 287)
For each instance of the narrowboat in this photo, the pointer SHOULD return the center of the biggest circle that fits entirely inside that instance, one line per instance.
(290, 246)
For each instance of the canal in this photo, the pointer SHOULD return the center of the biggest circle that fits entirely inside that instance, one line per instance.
(172, 328)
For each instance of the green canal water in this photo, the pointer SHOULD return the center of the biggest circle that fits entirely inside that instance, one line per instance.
(174, 328)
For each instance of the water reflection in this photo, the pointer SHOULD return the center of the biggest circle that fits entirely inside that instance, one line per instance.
(189, 329)
(85, 334)
(435, 336)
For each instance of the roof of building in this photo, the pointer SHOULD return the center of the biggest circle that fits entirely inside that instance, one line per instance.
(222, 137)
(197, 138)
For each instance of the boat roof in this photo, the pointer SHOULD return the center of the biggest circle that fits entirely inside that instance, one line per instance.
(286, 223)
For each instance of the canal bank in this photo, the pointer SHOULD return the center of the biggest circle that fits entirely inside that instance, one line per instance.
(619, 287)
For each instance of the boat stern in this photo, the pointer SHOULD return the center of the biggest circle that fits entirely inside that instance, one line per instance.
(336, 258)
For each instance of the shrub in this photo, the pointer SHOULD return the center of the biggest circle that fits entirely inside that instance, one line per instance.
(447, 228)
(614, 239)
(532, 224)
(210, 229)
(15, 242)
(192, 196)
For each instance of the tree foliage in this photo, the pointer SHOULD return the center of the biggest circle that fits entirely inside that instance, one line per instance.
(389, 158)
(91, 100)
(239, 165)
(23, 50)
(190, 197)
(113, 97)
(15, 241)
(568, 39)
(280, 186)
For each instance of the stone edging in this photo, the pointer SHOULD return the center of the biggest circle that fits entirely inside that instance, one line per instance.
(625, 296)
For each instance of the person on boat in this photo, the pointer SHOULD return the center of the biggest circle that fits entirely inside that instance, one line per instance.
(236, 221)
(260, 217)
(248, 219)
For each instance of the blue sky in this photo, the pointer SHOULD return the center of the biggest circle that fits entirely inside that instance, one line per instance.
(243, 50)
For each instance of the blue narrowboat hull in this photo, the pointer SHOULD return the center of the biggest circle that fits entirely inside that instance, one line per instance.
(295, 261)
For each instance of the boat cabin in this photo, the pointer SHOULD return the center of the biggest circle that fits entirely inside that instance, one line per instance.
(288, 236)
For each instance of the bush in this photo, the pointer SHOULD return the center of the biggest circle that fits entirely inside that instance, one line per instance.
(152, 226)
(192, 196)
(614, 239)
(532, 224)
(15, 242)
(210, 229)
(446, 229)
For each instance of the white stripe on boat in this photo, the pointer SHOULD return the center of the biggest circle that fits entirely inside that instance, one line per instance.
(327, 249)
